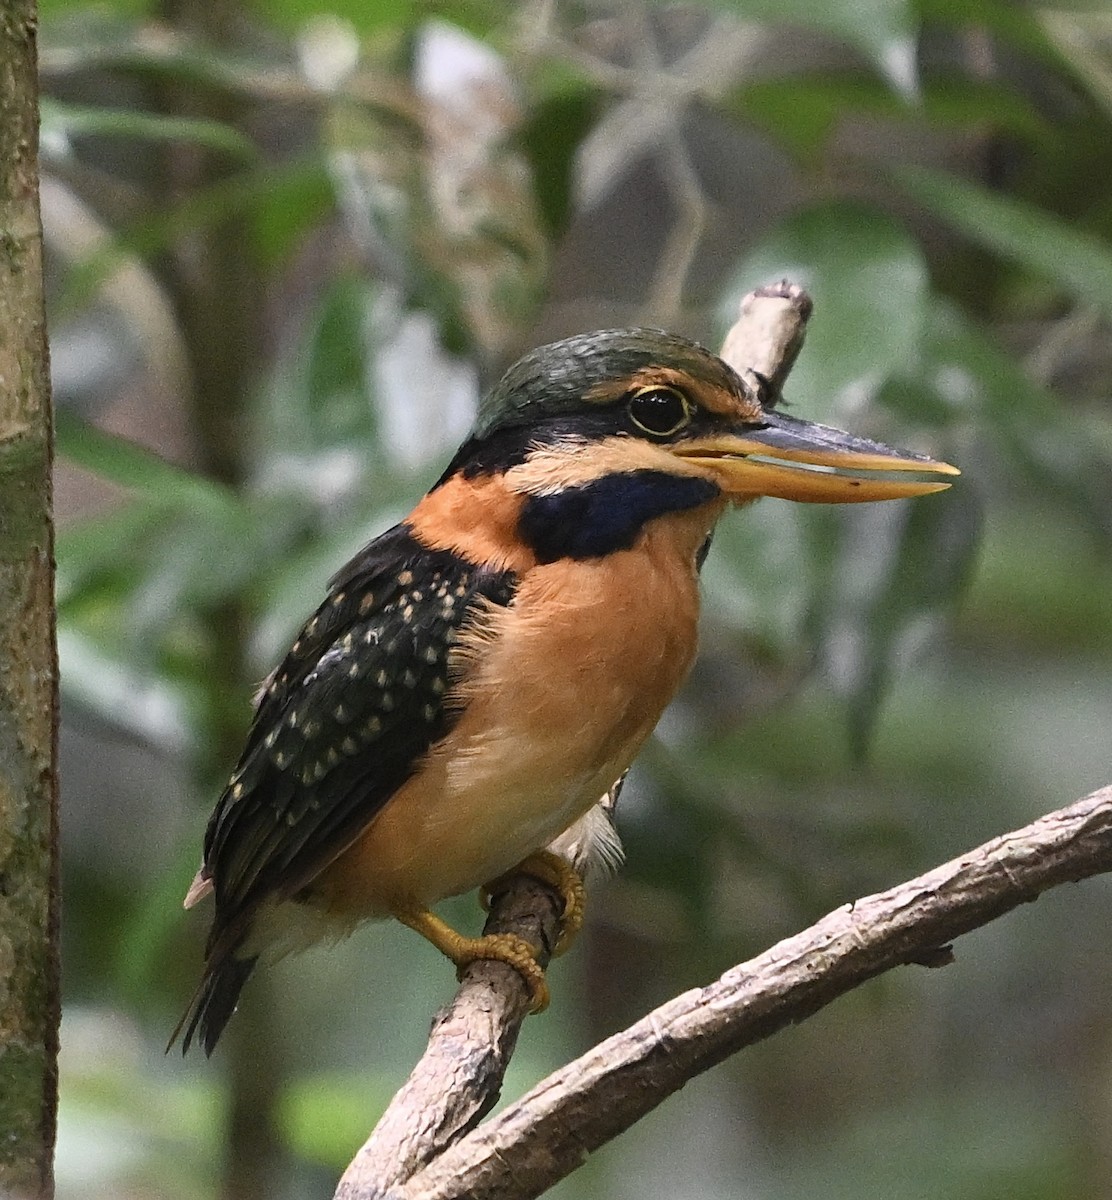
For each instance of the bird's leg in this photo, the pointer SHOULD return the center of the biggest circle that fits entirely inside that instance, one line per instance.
(502, 947)
(562, 877)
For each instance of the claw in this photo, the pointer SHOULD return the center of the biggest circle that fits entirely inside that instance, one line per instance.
(562, 877)
(501, 947)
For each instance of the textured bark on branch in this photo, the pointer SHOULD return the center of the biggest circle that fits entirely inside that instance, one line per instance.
(459, 1077)
(28, 666)
(549, 1131)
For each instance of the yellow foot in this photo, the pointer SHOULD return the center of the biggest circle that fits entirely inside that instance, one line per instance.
(560, 875)
(463, 951)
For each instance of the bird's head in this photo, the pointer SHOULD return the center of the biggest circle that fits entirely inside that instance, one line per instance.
(634, 400)
(586, 442)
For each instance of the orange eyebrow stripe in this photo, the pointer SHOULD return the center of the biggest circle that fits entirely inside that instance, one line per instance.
(710, 396)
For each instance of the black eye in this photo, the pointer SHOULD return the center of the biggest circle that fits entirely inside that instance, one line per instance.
(659, 410)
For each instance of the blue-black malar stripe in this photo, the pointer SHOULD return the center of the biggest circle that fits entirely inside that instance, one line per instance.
(607, 514)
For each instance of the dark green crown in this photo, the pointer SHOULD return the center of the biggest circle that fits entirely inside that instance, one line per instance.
(555, 380)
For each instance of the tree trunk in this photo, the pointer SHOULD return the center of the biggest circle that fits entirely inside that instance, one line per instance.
(29, 1006)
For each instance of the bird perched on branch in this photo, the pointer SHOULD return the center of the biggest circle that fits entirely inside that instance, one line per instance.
(479, 675)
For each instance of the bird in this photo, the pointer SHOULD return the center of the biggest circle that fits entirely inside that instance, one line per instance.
(479, 675)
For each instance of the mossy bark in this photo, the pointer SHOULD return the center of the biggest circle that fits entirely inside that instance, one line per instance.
(28, 662)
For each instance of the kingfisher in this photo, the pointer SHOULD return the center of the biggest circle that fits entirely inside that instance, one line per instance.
(478, 676)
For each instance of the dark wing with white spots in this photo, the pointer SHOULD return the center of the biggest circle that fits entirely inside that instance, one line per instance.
(341, 725)
(344, 721)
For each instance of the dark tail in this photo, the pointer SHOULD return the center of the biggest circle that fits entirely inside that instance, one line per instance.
(213, 1002)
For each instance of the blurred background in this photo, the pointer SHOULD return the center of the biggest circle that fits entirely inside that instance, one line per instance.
(290, 241)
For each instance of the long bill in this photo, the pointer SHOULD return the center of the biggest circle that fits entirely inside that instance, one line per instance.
(801, 460)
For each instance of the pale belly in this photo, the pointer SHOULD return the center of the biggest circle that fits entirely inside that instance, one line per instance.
(566, 686)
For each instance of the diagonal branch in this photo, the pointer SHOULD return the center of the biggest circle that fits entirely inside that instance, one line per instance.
(459, 1077)
(548, 1133)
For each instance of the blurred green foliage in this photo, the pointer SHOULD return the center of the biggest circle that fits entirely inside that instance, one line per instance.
(293, 240)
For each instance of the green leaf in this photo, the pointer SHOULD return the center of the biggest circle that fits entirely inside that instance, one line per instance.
(93, 37)
(1085, 41)
(884, 30)
(805, 112)
(336, 369)
(139, 701)
(67, 120)
(96, 556)
(241, 193)
(867, 278)
(296, 202)
(1077, 261)
(150, 926)
(901, 567)
(199, 559)
(184, 542)
(481, 18)
(1045, 447)
(1017, 25)
(382, 15)
(51, 11)
(130, 465)
(551, 137)
(317, 415)
(136, 577)
(953, 102)
(386, 17)
(758, 578)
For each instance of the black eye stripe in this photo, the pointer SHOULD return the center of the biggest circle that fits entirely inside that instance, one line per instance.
(660, 411)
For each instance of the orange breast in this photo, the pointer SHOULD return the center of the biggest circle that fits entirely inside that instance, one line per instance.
(563, 688)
